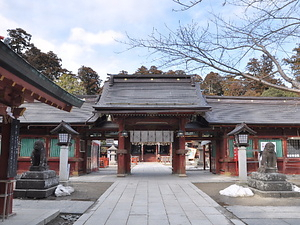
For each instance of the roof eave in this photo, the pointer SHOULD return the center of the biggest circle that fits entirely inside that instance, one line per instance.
(17, 66)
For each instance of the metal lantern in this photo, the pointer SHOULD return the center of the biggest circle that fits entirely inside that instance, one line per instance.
(180, 133)
(241, 139)
(241, 134)
(64, 138)
(124, 133)
(65, 132)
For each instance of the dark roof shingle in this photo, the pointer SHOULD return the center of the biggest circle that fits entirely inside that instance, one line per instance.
(131, 93)
(253, 110)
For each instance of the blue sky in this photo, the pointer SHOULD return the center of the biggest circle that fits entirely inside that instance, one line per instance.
(84, 32)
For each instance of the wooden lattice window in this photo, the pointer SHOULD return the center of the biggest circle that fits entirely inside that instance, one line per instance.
(55, 149)
(293, 148)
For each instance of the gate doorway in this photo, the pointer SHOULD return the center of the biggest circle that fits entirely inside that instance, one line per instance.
(150, 153)
(158, 152)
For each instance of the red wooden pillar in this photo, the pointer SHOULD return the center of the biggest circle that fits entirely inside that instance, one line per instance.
(175, 157)
(181, 152)
(5, 184)
(179, 156)
(121, 152)
(127, 156)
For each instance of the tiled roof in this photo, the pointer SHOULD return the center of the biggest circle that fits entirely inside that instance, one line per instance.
(38, 112)
(33, 85)
(151, 93)
(253, 110)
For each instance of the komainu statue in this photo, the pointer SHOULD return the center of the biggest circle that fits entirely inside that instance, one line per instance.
(38, 157)
(268, 159)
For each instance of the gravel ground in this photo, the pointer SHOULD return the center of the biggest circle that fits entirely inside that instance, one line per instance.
(212, 189)
(85, 191)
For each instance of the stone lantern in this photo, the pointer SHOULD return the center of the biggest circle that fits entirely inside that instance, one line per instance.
(241, 135)
(112, 155)
(65, 132)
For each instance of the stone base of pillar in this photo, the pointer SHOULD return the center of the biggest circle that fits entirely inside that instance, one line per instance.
(182, 175)
(7, 216)
(121, 175)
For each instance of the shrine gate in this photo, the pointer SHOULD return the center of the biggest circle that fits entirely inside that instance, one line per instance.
(151, 112)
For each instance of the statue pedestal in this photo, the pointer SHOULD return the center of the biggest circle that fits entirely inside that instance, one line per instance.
(36, 184)
(271, 185)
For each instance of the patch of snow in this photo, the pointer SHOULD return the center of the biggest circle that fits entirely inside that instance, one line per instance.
(236, 191)
(296, 188)
(63, 191)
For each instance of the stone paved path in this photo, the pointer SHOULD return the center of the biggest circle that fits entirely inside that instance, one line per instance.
(152, 195)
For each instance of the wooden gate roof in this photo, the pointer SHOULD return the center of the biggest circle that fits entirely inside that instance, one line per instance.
(20, 81)
(146, 94)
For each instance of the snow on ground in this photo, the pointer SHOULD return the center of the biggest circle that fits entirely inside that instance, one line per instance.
(239, 191)
(63, 191)
(295, 188)
(236, 191)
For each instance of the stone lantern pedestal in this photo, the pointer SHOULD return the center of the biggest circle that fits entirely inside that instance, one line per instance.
(39, 181)
(36, 184)
(266, 181)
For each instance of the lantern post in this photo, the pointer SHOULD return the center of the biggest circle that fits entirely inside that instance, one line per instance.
(241, 136)
(65, 132)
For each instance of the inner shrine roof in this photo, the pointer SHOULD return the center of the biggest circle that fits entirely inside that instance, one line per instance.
(151, 94)
(20, 81)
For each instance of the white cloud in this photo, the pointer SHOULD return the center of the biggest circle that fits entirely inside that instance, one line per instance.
(101, 38)
(6, 24)
(43, 44)
(71, 55)
(84, 32)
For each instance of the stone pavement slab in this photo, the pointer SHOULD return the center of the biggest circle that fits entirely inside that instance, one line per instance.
(152, 195)
(40, 212)
(27, 216)
(64, 206)
(258, 215)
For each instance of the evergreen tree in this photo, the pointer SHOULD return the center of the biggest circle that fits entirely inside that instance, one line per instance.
(261, 69)
(47, 63)
(71, 84)
(20, 40)
(154, 70)
(123, 72)
(90, 80)
(212, 84)
(232, 86)
(294, 63)
(142, 70)
(273, 92)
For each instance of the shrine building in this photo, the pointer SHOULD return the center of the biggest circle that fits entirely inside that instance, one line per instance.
(20, 82)
(151, 112)
(156, 118)
(157, 115)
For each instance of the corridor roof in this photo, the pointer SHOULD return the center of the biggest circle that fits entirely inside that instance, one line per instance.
(253, 110)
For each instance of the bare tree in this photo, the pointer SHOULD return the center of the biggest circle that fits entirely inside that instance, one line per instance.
(186, 4)
(266, 27)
